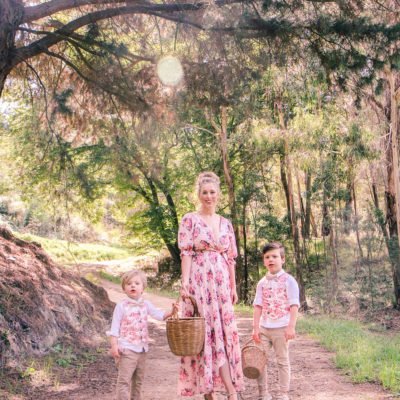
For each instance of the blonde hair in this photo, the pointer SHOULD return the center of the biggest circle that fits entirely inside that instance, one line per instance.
(207, 177)
(127, 276)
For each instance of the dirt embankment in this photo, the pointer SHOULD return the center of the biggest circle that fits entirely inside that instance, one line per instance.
(41, 302)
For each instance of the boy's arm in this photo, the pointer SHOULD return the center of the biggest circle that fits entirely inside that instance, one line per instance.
(256, 323)
(290, 331)
(158, 314)
(115, 350)
(114, 331)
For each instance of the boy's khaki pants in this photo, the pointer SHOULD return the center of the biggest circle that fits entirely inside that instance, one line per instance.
(275, 338)
(130, 375)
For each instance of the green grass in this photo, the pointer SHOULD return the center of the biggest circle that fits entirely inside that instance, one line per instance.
(63, 251)
(112, 278)
(244, 309)
(364, 355)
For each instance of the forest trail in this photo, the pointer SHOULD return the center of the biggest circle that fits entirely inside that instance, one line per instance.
(314, 376)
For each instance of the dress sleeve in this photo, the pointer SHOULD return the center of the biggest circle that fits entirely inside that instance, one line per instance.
(232, 250)
(185, 236)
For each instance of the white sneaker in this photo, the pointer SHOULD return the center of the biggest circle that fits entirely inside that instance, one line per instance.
(265, 396)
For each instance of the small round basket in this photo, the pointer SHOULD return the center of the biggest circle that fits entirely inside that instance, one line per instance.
(254, 358)
(186, 335)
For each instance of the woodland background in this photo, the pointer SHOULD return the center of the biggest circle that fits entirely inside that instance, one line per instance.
(293, 104)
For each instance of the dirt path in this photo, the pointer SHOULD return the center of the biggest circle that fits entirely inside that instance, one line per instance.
(314, 376)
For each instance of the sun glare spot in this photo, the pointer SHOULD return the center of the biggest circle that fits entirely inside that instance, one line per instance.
(169, 70)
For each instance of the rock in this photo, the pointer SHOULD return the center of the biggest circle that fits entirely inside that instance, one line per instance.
(42, 302)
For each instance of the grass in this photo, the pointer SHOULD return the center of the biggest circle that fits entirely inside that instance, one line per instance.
(364, 355)
(64, 252)
(48, 371)
(112, 278)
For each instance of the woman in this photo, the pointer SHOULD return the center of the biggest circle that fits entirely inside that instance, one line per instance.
(208, 249)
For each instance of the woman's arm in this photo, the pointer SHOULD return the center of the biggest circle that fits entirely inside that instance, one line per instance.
(185, 265)
(232, 279)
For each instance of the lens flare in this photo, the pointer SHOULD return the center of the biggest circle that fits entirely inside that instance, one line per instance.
(169, 70)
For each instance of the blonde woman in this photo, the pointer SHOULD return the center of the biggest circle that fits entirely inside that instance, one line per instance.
(208, 250)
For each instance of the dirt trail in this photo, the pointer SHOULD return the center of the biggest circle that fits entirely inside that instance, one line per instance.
(314, 376)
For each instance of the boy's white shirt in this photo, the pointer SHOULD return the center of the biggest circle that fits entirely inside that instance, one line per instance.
(116, 323)
(292, 289)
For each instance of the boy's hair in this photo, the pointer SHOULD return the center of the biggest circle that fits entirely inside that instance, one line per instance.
(127, 276)
(274, 245)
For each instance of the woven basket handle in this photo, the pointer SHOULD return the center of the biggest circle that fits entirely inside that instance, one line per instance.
(180, 298)
(259, 345)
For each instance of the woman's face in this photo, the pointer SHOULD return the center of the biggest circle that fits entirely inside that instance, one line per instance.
(208, 195)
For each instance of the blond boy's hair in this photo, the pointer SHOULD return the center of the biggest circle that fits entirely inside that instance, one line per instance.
(127, 276)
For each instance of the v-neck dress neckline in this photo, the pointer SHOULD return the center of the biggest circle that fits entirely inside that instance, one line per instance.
(216, 238)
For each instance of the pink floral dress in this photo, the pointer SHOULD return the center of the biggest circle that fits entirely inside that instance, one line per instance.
(210, 287)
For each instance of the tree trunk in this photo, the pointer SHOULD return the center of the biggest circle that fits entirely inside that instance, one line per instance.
(356, 222)
(245, 264)
(223, 141)
(284, 180)
(394, 126)
(292, 215)
(348, 201)
(11, 16)
(302, 211)
(307, 216)
(335, 278)
(326, 220)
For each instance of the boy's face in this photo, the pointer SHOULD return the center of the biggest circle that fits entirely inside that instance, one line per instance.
(134, 288)
(273, 260)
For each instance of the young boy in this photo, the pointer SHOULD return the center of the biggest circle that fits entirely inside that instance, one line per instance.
(275, 313)
(129, 335)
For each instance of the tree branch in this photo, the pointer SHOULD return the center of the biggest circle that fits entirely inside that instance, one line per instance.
(83, 43)
(35, 48)
(51, 7)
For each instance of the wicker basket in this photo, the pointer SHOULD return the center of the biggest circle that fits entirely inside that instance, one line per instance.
(254, 358)
(186, 335)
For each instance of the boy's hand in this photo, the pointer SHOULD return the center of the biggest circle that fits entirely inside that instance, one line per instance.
(290, 333)
(116, 351)
(256, 335)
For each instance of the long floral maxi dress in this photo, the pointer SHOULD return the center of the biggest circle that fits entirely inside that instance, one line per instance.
(209, 284)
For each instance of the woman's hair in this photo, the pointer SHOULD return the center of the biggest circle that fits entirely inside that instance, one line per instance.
(127, 276)
(207, 177)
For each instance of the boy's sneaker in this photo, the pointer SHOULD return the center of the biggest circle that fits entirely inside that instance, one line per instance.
(265, 396)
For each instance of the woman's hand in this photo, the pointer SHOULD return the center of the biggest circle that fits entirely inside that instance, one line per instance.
(234, 296)
(174, 308)
(185, 288)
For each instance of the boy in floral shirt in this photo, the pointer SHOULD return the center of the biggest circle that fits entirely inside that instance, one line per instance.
(275, 313)
(129, 335)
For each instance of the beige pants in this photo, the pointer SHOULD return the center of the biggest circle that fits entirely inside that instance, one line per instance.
(275, 338)
(130, 375)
